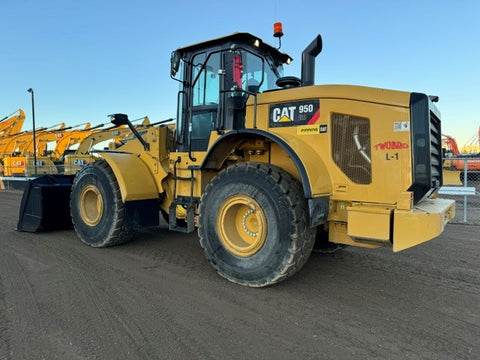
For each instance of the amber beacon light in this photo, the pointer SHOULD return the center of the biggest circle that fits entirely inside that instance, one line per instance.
(277, 29)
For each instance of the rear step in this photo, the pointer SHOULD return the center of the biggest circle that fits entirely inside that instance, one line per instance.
(46, 204)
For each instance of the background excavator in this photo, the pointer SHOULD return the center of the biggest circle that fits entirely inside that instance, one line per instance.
(12, 123)
(104, 139)
(59, 149)
(50, 150)
(20, 161)
(472, 146)
(12, 144)
(15, 143)
(455, 162)
(69, 141)
(263, 165)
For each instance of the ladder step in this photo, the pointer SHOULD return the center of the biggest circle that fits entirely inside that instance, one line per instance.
(186, 225)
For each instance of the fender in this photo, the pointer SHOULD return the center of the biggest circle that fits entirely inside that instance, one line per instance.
(313, 172)
(133, 176)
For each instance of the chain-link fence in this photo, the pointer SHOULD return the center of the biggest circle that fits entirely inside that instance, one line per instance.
(461, 180)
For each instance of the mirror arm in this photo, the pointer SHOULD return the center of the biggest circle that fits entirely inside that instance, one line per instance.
(122, 119)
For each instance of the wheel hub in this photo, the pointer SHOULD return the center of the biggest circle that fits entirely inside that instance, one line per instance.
(250, 223)
(242, 226)
(91, 205)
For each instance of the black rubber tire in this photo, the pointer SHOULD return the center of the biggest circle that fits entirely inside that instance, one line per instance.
(288, 241)
(111, 229)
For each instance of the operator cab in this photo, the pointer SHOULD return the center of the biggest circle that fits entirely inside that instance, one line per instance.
(217, 77)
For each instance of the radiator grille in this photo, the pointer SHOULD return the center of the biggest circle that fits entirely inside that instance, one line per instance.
(426, 147)
(351, 147)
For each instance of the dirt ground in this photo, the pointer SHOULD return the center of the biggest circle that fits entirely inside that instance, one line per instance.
(158, 298)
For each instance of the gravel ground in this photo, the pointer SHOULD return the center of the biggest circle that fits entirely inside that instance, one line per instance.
(158, 298)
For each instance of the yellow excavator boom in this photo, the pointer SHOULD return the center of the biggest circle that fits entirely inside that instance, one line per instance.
(12, 124)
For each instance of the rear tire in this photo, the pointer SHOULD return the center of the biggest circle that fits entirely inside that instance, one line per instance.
(96, 207)
(253, 224)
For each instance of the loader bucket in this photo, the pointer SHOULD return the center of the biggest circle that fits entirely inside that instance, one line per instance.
(46, 204)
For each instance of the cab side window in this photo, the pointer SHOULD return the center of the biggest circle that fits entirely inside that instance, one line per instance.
(205, 98)
(258, 75)
(207, 87)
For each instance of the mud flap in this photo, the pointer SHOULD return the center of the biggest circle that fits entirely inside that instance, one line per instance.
(46, 204)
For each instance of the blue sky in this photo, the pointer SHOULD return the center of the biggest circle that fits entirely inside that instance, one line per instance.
(87, 59)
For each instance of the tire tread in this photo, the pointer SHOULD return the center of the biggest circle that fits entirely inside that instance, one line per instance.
(118, 233)
(302, 237)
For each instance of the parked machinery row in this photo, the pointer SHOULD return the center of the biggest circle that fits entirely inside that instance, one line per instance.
(58, 149)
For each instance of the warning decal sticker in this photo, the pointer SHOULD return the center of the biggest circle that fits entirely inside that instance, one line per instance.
(305, 112)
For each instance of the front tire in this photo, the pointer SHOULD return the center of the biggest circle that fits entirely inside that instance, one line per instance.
(253, 224)
(96, 207)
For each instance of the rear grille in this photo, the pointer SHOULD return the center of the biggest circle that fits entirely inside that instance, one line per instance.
(426, 146)
(351, 147)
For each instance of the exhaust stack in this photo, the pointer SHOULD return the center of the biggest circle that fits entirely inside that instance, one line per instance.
(308, 61)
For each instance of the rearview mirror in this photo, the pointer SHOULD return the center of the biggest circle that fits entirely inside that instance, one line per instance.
(174, 62)
(119, 119)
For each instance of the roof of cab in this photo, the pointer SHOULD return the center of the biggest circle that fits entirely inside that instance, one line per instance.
(239, 38)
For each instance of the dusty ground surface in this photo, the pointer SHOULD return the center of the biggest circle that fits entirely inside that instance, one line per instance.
(157, 297)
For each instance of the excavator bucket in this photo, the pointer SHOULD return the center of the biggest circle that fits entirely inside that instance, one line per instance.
(46, 204)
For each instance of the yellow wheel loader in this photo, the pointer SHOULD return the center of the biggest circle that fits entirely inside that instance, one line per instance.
(263, 166)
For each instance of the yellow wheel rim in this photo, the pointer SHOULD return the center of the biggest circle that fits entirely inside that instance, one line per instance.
(241, 225)
(91, 205)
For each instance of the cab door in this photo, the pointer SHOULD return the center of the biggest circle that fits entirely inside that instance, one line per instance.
(204, 99)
